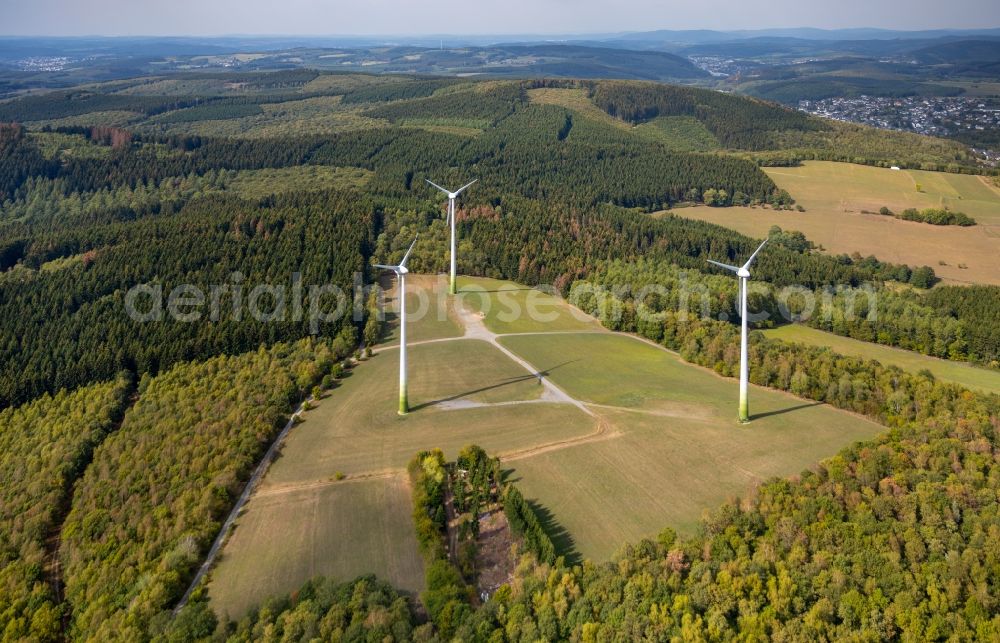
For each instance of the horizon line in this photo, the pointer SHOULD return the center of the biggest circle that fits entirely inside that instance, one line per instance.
(539, 34)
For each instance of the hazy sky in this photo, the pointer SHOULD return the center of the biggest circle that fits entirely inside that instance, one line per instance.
(339, 17)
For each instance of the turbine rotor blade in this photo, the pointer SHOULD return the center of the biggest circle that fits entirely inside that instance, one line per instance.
(723, 265)
(462, 189)
(402, 264)
(750, 260)
(437, 186)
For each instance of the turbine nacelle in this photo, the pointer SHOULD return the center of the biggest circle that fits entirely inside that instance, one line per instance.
(741, 271)
(452, 195)
(401, 269)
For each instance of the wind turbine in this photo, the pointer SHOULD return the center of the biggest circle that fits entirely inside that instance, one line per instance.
(743, 273)
(401, 271)
(451, 221)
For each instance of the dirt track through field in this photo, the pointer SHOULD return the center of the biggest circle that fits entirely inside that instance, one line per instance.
(251, 484)
(473, 328)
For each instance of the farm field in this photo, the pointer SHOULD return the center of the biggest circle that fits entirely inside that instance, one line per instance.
(653, 444)
(972, 377)
(834, 194)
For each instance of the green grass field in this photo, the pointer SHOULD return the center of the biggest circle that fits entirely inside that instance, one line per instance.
(303, 522)
(356, 429)
(342, 531)
(835, 194)
(625, 372)
(428, 310)
(512, 308)
(667, 471)
(967, 375)
(661, 447)
(677, 452)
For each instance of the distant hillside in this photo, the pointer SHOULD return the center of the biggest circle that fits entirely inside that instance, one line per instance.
(700, 36)
(790, 92)
(601, 62)
(517, 60)
(960, 53)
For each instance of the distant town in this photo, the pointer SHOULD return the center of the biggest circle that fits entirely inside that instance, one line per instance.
(934, 116)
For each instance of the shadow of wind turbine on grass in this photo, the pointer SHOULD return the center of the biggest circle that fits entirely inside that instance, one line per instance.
(537, 375)
(473, 291)
(482, 389)
(789, 409)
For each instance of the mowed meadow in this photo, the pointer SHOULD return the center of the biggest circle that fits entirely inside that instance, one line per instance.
(840, 200)
(674, 448)
(630, 440)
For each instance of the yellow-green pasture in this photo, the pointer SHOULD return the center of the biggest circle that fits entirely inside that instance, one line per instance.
(837, 195)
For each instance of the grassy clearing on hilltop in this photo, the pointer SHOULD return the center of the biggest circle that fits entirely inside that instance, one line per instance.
(303, 521)
(428, 309)
(357, 429)
(679, 450)
(663, 448)
(507, 308)
(666, 471)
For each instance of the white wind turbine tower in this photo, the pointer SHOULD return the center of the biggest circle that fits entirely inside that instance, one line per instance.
(401, 271)
(451, 222)
(743, 273)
